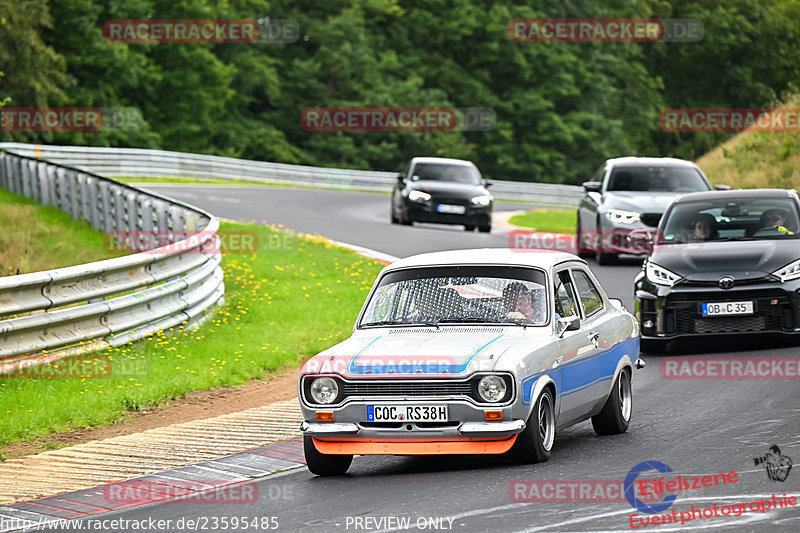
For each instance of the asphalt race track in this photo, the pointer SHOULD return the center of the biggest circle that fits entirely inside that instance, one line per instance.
(696, 427)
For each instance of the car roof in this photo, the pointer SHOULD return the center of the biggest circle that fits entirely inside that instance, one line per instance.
(648, 161)
(442, 160)
(495, 256)
(736, 193)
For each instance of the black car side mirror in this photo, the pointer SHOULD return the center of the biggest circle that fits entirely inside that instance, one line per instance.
(641, 240)
(487, 184)
(567, 323)
(401, 179)
(592, 186)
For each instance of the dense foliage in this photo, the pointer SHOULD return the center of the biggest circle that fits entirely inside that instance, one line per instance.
(561, 107)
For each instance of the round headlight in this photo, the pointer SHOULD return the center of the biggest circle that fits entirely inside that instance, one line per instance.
(492, 388)
(324, 390)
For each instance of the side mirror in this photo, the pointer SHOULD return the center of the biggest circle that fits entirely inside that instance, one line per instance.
(567, 323)
(641, 240)
(592, 186)
(721, 187)
(616, 302)
(487, 184)
(401, 178)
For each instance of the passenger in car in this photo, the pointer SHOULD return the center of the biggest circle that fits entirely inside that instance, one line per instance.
(705, 228)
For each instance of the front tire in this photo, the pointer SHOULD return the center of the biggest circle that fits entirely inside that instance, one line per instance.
(485, 229)
(320, 464)
(616, 414)
(535, 443)
(469, 227)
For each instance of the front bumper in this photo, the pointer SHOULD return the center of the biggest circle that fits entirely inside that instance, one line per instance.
(332, 429)
(468, 438)
(666, 313)
(426, 212)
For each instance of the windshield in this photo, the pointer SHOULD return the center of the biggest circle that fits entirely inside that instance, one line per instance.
(728, 219)
(444, 172)
(656, 179)
(432, 296)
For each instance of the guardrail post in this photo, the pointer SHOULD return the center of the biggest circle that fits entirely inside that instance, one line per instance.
(26, 178)
(15, 167)
(147, 214)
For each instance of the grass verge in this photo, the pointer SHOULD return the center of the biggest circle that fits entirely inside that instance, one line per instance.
(756, 159)
(282, 304)
(36, 237)
(550, 220)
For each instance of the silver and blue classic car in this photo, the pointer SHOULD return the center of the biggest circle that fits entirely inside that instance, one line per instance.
(471, 352)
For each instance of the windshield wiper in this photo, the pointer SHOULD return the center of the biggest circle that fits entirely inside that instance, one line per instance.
(396, 323)
(483, 321)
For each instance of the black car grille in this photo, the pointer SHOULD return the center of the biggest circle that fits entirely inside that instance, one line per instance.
(772, 312)
(651, 219)
(407, 389)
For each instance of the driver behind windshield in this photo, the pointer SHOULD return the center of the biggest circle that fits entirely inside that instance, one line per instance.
(523, 303)
(775, 219)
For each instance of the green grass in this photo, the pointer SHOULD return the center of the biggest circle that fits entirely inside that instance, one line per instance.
(549, 220)
(36, 237)
(756, 159)
(281, 306)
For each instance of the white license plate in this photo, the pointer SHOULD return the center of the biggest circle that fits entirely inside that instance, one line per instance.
(728, 308)
(406, 413)
(452, 209)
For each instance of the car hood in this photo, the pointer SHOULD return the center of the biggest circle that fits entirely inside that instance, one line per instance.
(742, 260)
(639, 202)
(448, 188)
(412, 353)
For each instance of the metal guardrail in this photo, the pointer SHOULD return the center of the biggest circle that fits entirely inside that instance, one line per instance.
(136, 162)
(48, 315)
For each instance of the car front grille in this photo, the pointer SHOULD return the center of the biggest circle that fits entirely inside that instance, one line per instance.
(651, 219)
(407, 389)
(772, 312)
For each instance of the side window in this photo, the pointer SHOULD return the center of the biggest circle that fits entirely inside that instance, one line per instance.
(565, 296)
(591, 301)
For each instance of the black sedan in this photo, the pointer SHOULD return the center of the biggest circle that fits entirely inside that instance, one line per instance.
(444, 191)
(722, 263)
(630, 193)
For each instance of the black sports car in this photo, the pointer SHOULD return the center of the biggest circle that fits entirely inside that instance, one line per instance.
(445, 191)
(722, 263)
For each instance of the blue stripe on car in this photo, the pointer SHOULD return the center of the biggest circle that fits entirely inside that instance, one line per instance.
(582, 376)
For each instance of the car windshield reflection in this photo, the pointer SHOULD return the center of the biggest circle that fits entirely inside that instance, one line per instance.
(731, 220)
(430, 298)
